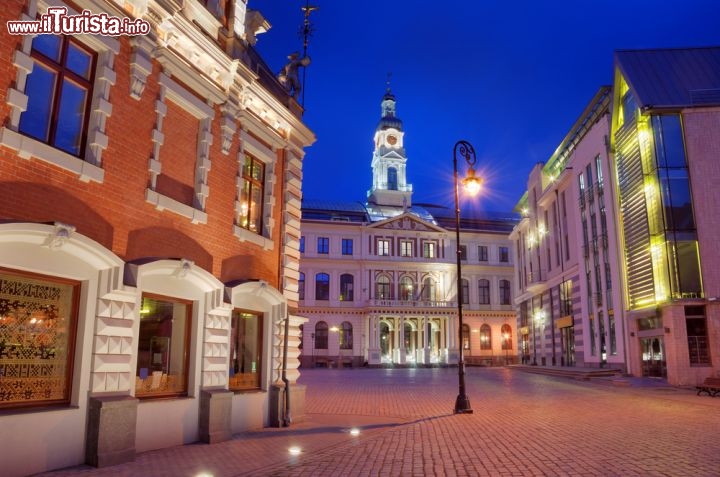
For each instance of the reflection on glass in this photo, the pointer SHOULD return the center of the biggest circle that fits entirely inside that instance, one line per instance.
(40, 90)
(245, 350)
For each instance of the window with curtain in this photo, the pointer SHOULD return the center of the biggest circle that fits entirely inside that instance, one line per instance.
(251, 194)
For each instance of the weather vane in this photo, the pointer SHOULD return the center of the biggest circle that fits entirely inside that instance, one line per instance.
(307, 30)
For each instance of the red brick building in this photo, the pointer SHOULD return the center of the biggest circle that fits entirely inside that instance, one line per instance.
(149, 234)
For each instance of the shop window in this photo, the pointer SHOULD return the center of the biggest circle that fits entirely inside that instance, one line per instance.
(38, 319)
(163, 346)
(245, 350)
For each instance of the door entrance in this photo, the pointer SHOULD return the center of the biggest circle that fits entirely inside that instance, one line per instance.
(567, 343)
(653, 357)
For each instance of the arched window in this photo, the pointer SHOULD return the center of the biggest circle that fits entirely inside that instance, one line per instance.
(301, 286)
(466, 337)
(504, 292)
(322, 286)
(406, 288)
(392, 178)
(346, 287)
(465, 291)
(321, 335)
(383, 290)
(506, 333)
(484, 290)
(428, 292)
(485, 337)
(346, 335)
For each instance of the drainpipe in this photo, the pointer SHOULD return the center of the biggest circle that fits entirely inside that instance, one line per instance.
(287, 419)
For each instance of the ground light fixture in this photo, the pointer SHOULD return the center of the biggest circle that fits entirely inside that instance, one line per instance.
(295, 450)
(472, 184)
(354, 431)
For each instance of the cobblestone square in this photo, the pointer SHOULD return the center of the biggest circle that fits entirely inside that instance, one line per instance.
(523, 425)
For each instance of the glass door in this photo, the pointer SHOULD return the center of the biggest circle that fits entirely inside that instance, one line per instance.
(653, 357)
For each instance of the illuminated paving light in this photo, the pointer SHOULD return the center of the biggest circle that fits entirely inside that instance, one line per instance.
(354, 431)
(294, 450)
(204, 474)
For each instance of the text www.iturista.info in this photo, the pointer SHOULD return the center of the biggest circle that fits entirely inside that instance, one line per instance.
(57, 21)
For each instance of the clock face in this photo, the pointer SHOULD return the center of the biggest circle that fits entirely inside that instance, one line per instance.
(392, 140)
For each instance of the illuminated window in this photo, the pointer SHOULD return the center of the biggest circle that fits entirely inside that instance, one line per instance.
(406, 288)
(406, 248)
(251, 194)
(163, 345)
(506, 333)
(38, 319)
(429, 249)
(346, 335)
(383, 247)
(59, 91)
(485, 337)
(245, 350)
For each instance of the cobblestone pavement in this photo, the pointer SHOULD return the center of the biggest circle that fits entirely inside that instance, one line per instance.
(523, 425)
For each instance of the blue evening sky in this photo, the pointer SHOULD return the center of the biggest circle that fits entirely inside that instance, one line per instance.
(510, 77)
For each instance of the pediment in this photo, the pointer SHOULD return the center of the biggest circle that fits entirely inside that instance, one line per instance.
(392, 154)
(407, 221)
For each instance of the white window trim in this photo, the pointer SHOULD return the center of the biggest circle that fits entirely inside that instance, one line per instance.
(88, 168)
(250, 145)
(173, 91)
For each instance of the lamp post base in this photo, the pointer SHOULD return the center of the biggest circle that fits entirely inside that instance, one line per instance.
(462, 405)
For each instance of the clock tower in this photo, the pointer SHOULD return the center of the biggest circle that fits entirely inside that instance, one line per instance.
(390, 186)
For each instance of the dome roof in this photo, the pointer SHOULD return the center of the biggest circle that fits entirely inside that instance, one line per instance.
(390, 122)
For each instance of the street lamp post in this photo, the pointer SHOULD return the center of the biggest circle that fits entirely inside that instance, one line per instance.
(472, 185)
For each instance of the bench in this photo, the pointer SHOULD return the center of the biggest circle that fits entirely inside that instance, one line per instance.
(711, 386)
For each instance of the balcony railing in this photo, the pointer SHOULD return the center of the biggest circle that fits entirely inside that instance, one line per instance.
(394, 303)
